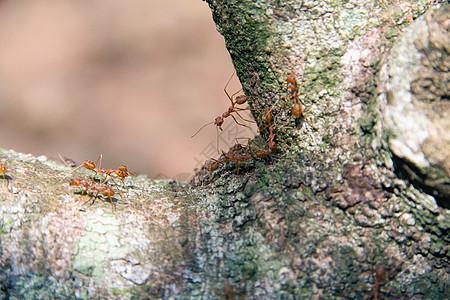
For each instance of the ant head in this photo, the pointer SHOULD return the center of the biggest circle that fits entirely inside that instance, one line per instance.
(3, 169)
(218, 121)
(272, 146)
(76, 181)
(291, 78)
(237, 147)
(123, 169)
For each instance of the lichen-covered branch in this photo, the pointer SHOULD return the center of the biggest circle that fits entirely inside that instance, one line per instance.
(56, 242)
(331, 214)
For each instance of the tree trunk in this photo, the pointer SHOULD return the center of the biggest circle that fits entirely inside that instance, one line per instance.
(353, 204)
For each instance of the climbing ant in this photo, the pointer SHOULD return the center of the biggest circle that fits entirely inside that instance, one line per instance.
(235, 154)
(381, 274)
(89, 189)
(271, 141)
(237, 158)
(297, 108)
(239, 153)
(238, 100)
(229, 292)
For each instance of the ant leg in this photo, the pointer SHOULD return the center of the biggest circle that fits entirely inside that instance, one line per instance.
(98, 163)
(83, 192)
(211, 165)
(237, 110)
(73, 171)
(88, 200)
(236, 164)
(6, 182)
(309, 122)
(217, 139)
(126, 187)
(225, 89)
(240, 123)
(297, 111)
(109, 190)
(123, 183)
(88, 164)
(113, 208)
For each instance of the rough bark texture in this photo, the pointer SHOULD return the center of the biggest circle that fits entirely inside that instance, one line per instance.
(355, 210)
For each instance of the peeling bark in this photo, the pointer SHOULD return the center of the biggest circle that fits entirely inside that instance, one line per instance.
(331, 215)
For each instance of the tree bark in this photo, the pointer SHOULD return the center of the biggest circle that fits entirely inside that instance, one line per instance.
(357, 209)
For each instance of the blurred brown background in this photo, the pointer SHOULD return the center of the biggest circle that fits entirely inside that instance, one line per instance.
(133, 80)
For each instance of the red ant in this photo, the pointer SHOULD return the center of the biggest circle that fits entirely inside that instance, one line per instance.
(381, 275)
(297, 108)
(236, 154)
(229, 292)
(271, 141)
(239, 153)
(271, 144)
(90, 189)
(238, 100)
(3, 171)
(121, 172)
(101, 188)
(237, 158)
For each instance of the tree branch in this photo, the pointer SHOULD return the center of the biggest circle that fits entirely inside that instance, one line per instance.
(329, 215)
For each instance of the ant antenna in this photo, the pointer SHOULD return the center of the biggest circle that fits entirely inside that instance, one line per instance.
(202, 128)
